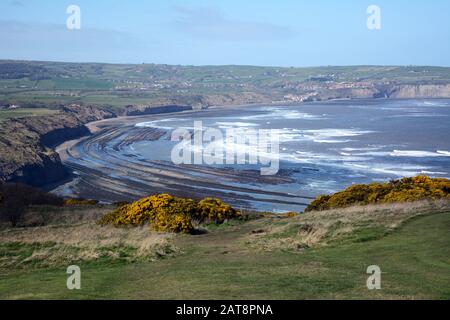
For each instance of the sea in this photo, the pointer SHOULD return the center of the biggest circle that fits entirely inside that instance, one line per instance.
(323, 147)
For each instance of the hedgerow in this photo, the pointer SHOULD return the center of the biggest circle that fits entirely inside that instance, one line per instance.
(170, 214)
(403, 190)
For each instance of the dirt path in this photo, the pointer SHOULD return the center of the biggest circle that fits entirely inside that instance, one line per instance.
(220, 242)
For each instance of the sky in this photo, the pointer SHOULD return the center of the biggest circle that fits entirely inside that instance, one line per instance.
(222, 32)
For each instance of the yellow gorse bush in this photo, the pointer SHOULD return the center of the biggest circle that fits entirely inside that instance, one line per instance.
(291, 214)
(79, 202)
(403, 190)
(170, 214)
(214, 210)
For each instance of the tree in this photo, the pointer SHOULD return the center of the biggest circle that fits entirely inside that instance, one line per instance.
(16, 198)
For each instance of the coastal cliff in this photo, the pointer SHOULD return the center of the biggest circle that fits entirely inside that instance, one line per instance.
(419, 91)
(26, 153)
(373, 91)
(26, 144)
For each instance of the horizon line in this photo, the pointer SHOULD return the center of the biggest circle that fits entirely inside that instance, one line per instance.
(221, 65)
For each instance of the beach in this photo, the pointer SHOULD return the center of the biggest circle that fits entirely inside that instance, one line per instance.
(324, 147)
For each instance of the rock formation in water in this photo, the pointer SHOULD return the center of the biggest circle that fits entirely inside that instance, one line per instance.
(26, 144)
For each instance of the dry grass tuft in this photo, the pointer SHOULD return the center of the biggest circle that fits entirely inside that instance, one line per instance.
(73, 235)
(324, 228)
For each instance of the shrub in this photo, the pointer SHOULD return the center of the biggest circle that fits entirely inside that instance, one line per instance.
(403, 190)
(214, 210)
(80, 202)
(291, 214)
(16, 198)
(170, 214)
(319, 204)
(114, 218)
(178, 223)
(120, 203)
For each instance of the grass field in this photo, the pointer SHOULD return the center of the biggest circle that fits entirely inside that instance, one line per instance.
(24, 112)
(255, 259)
(53, 83)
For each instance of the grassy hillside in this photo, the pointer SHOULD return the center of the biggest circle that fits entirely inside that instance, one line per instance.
(318, 255)
(52, 83)
(25, 112)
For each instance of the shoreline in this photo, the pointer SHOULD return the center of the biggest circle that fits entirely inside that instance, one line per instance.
(160, 177)
(116, 171)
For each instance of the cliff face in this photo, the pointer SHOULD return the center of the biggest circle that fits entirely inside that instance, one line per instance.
(26, 153)
(23, 158)
(43, 169)
(354, 93)
(146, 110)
(26, 144)
(393, 91)
(419, 91)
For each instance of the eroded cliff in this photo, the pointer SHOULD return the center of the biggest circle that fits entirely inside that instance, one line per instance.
(26, 153)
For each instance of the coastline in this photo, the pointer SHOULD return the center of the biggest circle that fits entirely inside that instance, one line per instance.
(160, 177)
(140, 176)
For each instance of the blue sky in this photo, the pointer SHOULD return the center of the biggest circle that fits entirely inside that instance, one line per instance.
(206, 32)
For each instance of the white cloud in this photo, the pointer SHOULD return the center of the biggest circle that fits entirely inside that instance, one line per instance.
(17, 3)
(211, 23)
(55, 42)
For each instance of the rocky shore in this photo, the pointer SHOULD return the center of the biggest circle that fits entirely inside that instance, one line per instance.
(27, 152)
(107, 171)
(27, 145)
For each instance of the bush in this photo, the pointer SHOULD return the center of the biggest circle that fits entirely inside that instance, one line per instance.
(80, 202)
(163, 212)
(291, 214)
(16, 198)
(403, 190)
(169, 214)
(178, 223)
(214, 210)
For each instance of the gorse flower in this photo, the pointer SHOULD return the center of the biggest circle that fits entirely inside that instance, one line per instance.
(80, 202)
(403, 190)
(214, 210)
(170, 214)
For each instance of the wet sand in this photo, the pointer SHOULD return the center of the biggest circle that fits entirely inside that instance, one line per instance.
(103, 170)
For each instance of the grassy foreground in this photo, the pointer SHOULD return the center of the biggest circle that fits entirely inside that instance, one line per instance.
(319, 255)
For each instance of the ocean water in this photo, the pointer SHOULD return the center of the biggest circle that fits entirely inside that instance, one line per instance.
(328, 146)
(323, 148)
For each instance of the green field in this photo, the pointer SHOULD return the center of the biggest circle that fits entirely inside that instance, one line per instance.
(52, 83)
(24, 112)
(226, 263)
